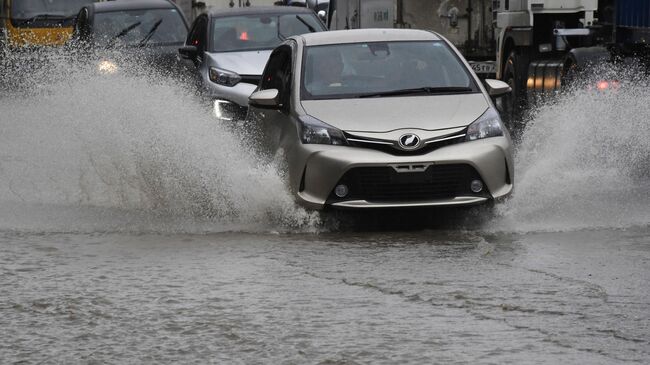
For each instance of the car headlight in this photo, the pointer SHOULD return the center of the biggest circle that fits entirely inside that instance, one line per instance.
(107, 67)
(223, 77)
(313, 131)
(487, 125)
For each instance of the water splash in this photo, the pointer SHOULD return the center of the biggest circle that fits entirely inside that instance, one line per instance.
(130, 150)
(584, 160)
(137, 151)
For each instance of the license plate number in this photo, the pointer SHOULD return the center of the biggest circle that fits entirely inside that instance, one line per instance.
(483, 67)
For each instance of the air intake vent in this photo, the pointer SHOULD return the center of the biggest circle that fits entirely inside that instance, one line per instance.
(392, 183)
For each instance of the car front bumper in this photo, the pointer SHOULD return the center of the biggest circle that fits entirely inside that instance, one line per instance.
(378, 179)
(230, 103)
(237, 94)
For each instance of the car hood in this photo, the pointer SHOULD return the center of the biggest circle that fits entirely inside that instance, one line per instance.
(161, 57)
(381, 115)
(243, 63)
(162, 54)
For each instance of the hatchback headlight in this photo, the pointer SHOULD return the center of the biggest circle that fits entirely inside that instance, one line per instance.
(487, 125)
(314, 131)
(223, 77)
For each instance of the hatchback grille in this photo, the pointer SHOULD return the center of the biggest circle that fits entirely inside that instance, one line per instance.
(386, 184)
(393, 148)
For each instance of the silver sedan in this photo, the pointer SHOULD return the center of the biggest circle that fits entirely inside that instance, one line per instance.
(382, 118)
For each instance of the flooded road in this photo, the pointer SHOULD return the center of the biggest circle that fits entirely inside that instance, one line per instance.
(356, 298)
(136, 229)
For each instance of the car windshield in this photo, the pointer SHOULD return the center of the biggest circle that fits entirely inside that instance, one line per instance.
(45, 13)
(129, 27)
(383, 69)
(253, 32)
(28, 9)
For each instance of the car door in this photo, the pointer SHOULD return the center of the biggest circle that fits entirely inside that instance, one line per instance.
(275, 124)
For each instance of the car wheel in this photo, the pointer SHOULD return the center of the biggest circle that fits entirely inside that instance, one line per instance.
(515, 74)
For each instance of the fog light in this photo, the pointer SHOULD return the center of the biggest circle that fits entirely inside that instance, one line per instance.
(476, 186)
(341, 190)
(220, 110)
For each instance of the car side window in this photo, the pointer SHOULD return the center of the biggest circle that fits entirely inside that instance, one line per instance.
(277, 74)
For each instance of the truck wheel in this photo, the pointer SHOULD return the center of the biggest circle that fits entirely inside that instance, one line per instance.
(515, 74)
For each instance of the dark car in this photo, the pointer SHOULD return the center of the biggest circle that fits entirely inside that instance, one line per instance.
(230, 47)
(154, 29)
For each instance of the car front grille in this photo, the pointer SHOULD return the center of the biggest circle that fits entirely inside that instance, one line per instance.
(385, 184)
(393, 148)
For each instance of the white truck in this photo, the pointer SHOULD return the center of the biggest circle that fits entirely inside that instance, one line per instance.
(533, 45)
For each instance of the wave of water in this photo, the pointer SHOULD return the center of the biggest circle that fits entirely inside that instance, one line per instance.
(137, 151)
(82, 150)
(584, 160)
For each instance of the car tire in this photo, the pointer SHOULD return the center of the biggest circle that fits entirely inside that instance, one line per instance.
(515, 74)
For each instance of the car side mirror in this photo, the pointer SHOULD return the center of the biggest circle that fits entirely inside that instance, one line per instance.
(265, 98)
(188, 52)
(497, 88)
(322, 15)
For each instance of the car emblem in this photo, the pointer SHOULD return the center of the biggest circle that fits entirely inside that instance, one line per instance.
(409, 141)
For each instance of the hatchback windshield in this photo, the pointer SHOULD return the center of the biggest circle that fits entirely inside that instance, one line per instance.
(159, 26)
(253, 32)
(383, 69)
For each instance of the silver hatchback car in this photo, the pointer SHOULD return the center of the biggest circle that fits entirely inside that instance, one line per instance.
(229, 48)
(382, 118)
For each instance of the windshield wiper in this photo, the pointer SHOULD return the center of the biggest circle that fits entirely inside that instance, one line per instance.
(419, 90)
(122, 33)
(44, 17)
(303, 21)
(146, 38)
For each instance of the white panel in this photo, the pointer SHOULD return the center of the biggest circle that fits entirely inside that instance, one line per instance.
(513, 19)
(566, 5)
(377, 14)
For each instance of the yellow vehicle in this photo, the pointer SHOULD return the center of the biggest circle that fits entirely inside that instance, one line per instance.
(38, 22)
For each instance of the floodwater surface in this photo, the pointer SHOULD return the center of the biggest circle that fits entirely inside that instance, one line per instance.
(375, 298)
(134, 228)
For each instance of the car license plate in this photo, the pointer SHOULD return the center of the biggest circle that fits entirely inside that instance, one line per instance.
(483, 67)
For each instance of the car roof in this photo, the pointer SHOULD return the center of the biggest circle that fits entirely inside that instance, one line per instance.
(106, 6)
(260, 10)
(366, 35)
